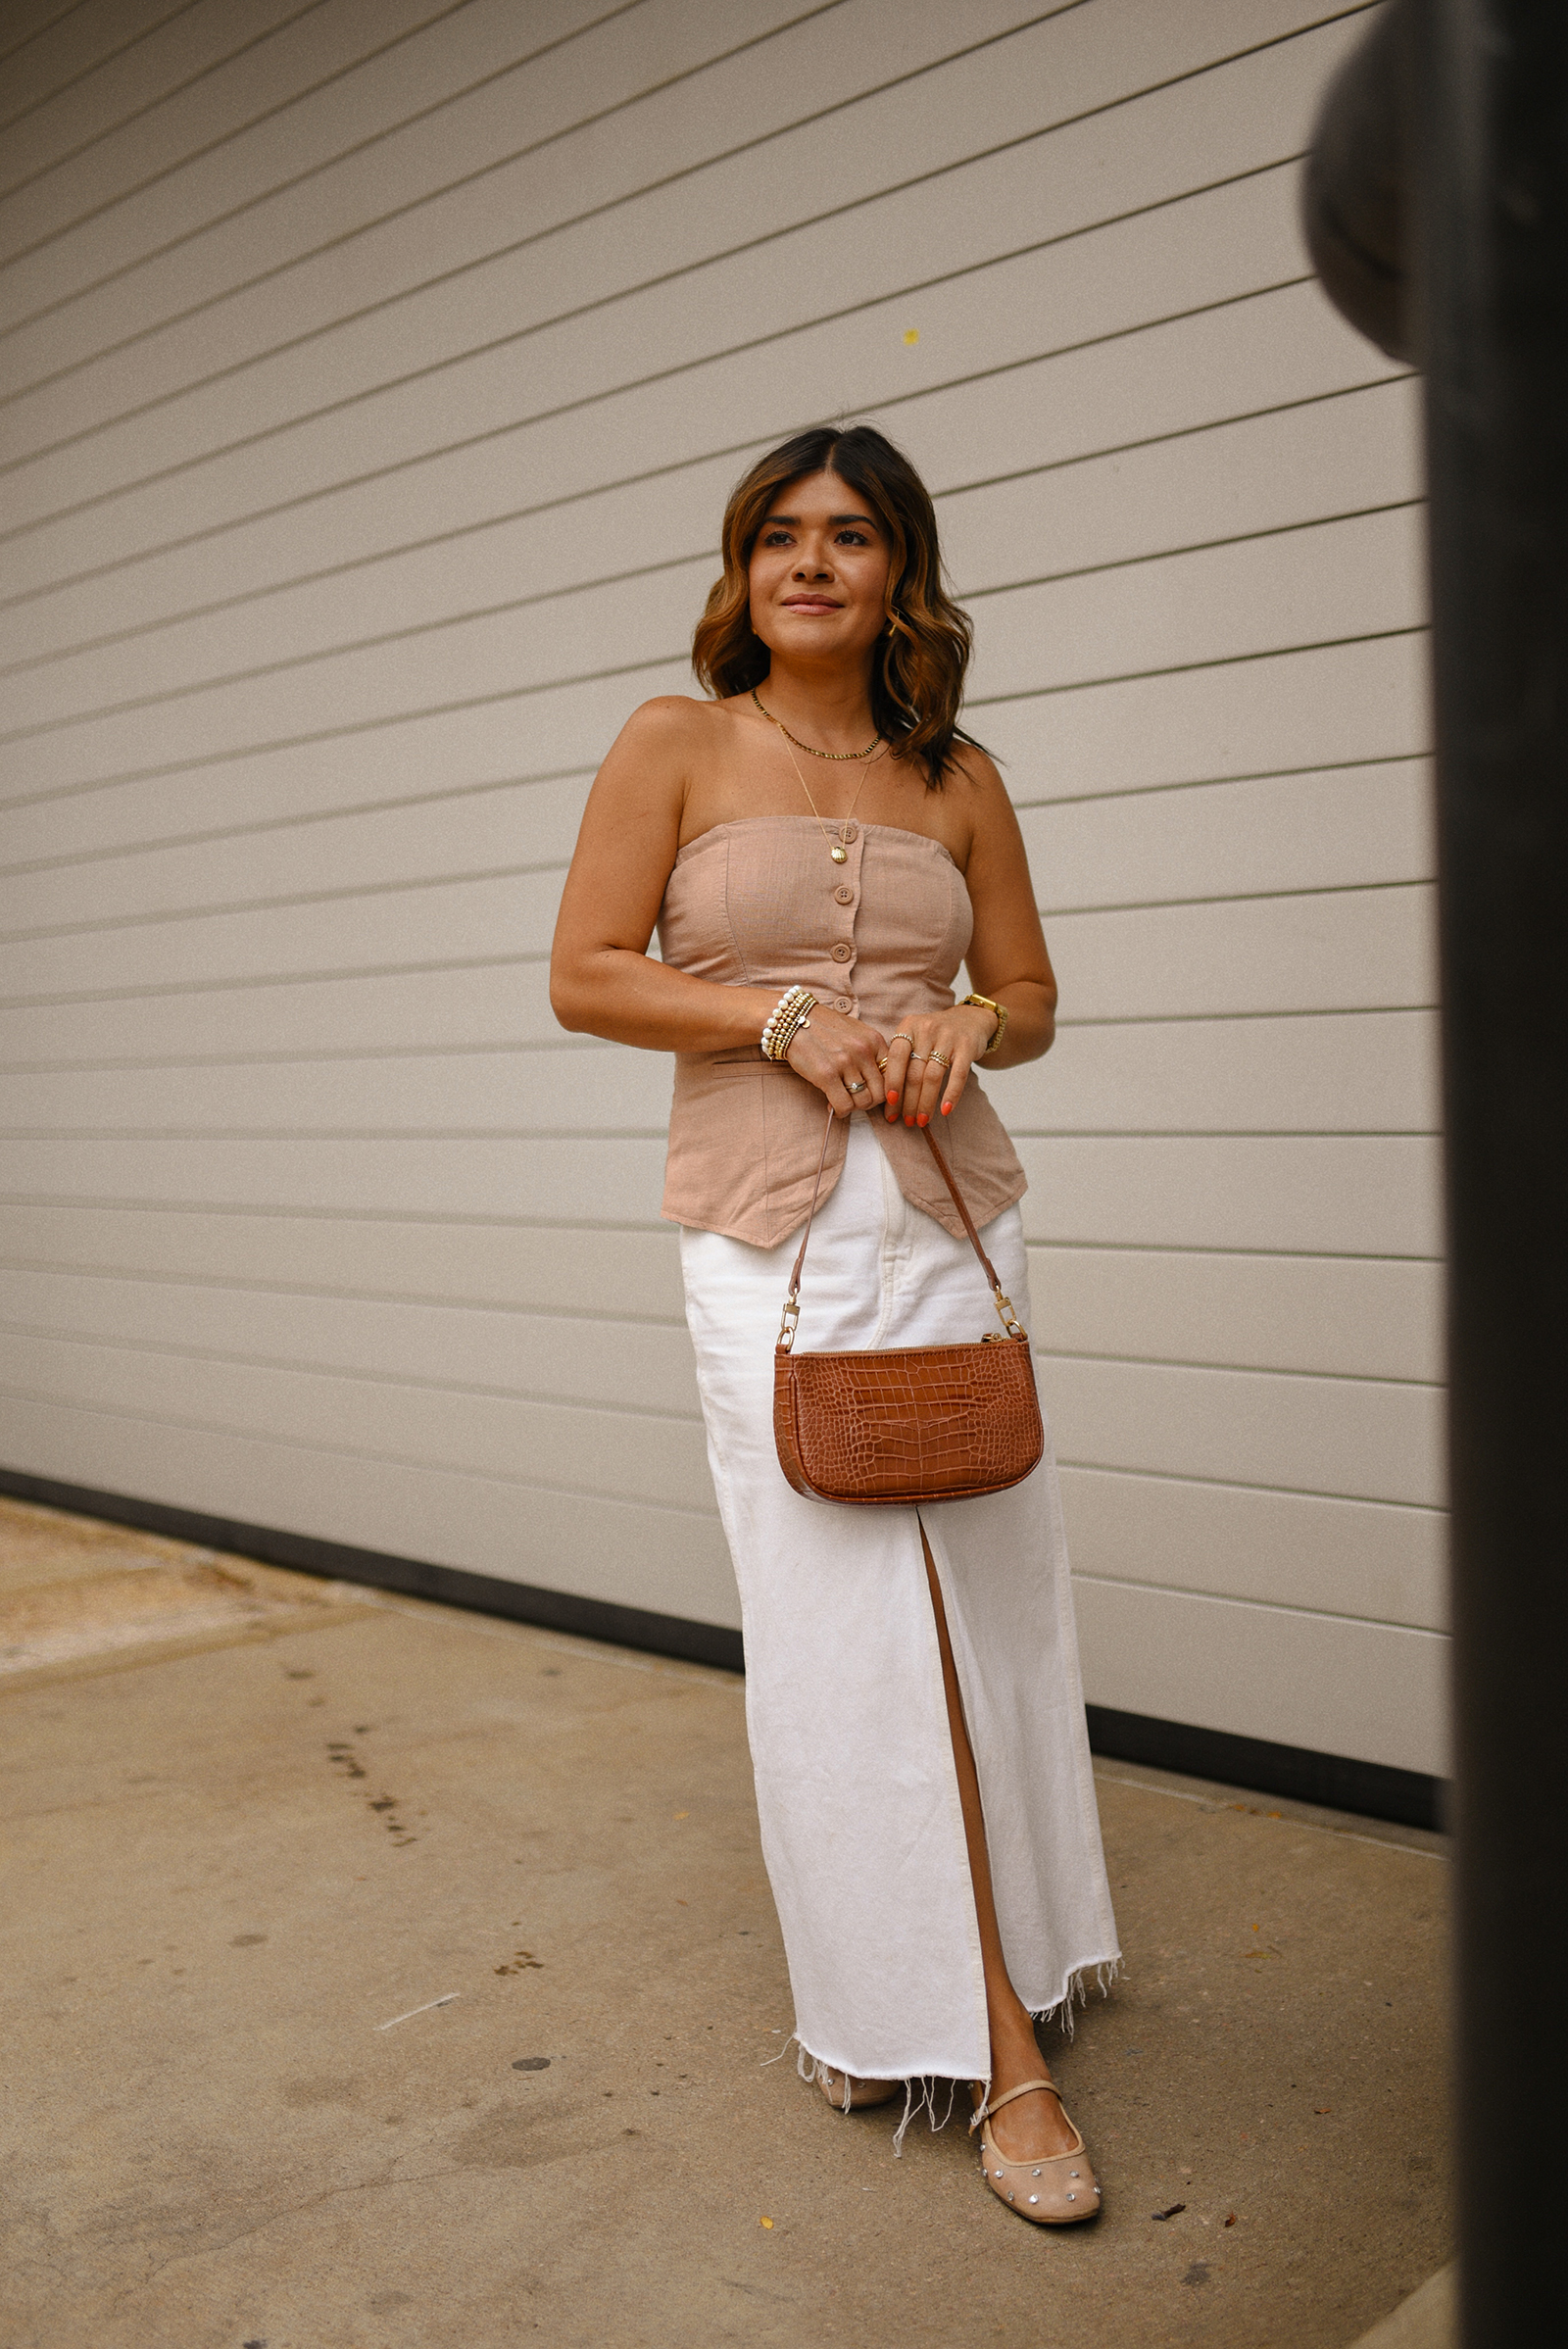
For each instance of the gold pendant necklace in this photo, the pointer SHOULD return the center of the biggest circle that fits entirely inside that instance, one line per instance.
(838, 849)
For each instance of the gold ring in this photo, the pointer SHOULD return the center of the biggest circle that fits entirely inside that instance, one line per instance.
(881, 1059)
(857, 1087)
(902, 1038)
(942, 1056)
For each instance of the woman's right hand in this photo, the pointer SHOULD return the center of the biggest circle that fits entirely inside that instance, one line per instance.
(839, 1056)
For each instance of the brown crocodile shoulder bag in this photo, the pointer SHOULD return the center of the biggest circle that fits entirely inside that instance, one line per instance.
(887, 1429)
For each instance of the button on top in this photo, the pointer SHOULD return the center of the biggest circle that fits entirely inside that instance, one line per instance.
(849, 833)
(843, 952)
(841, 1002)
(844, 895)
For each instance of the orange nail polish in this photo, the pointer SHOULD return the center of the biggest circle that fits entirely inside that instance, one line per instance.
(891, 1098)
(947, 1108)
(908, 1121)
(924, 1118)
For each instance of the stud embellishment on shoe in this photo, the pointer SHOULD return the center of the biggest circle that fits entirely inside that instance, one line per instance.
(1072, 2198)
(1034, 2198)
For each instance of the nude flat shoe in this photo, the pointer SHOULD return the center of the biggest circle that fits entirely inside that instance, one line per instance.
(864, 2093)
(1057, 2191)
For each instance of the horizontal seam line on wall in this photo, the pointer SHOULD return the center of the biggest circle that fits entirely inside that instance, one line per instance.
(276, 1211)
(627, 385)
(1238, 1369)
(543, 1398)
(298, 179)
(1022, 1133)
(1142, 791)
(349, 809)
(165, 96)
(305, 1134)
(484, 1048)
(1092, 800)
(223, 908)
(1188, 1019)
(346, 1452)
(668, 278)
(1278, 1606)
(83, 73)
(1286, 1256)
(1222, 423)
(521, 1050)
(299, 978)
(1165, 1476)
(603, 1137)
(184, 614)
(436, 195)
(519, 1311)
(269, 114)
(166, 547)
(1177, 669)
(485, 700)
(436, 1302)
(94, 714)
(1222, 1483)
(330, 1056)
(1197, 546)
(1090, 910)
(370, 725)
(89, 1204)
(436, 625)
(296, 821)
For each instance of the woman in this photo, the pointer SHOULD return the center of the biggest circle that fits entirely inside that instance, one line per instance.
(821, 832)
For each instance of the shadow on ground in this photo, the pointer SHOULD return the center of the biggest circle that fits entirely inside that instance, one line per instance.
(381, 1977)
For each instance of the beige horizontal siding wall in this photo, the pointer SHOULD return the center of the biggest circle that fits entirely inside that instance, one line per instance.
(373, 375)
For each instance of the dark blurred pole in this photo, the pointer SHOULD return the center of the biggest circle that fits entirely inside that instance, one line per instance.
(1491, 234)
(1474, 116)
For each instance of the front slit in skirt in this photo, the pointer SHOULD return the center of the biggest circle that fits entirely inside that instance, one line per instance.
(856, 1792)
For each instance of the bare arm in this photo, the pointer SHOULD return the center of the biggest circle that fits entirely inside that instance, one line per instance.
(1006, 961)
(602, 980)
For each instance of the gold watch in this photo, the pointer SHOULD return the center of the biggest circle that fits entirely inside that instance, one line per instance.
(985, 1004)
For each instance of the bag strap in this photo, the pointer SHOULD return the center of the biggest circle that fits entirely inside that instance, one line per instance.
(792, 1302)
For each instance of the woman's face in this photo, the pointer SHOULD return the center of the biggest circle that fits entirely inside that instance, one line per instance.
(819, 572)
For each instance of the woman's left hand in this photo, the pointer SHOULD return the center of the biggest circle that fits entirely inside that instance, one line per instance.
(929, 1059)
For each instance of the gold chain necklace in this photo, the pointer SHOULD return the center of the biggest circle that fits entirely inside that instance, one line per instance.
(838, 849)
(806, 746)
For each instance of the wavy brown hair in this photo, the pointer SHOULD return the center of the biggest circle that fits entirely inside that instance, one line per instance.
(921, 656)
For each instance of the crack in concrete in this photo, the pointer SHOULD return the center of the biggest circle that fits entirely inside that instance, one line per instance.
(289, 2210)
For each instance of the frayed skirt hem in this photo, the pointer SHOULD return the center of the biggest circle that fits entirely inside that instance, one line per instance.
(922, 2090)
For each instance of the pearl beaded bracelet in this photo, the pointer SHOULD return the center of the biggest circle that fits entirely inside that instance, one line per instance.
(785, 1021)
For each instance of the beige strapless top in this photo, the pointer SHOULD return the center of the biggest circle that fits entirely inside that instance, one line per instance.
(760, 902)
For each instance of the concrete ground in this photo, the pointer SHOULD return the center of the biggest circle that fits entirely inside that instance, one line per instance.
(383, 1976)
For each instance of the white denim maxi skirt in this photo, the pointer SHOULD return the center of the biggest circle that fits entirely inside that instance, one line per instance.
(856, 1792)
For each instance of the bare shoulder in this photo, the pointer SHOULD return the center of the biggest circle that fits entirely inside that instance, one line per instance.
(977, 771)
(671, 721)
(977, 787)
